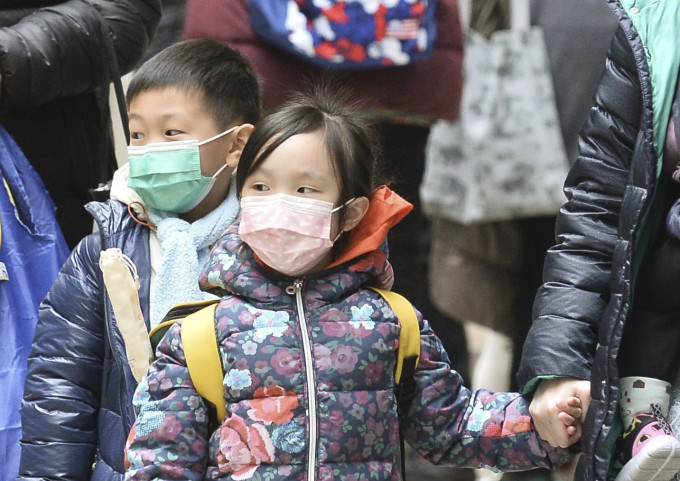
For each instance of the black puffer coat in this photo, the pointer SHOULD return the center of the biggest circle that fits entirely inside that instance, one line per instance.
(614, 208)
(78, 400)
(53, 61)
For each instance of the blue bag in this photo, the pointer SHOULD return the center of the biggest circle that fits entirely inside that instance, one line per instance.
(32, 251)
(348, 34)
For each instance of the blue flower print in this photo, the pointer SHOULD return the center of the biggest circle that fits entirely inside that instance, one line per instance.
(271, 323)
(141, 395)
(239, 379)
(289, 437)
(478, 418)
(361, 317)
(149, 418)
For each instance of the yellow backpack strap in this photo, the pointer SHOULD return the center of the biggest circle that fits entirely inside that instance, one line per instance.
(408, 354)
(176, 312)
(409, 337)
(203, 357)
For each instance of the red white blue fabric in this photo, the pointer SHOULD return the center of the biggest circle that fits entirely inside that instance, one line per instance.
(348, 34)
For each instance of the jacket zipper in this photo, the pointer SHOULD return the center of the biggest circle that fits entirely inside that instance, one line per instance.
(309, 368)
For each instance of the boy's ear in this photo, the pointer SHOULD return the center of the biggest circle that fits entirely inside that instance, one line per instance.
(354, 212)
(241, 136)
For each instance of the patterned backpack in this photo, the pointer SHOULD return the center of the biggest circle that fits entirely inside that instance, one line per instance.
(348, 34)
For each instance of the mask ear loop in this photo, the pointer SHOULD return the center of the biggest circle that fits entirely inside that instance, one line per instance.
(218, 135)
(343, 205)
(219, 171)
(337, 209)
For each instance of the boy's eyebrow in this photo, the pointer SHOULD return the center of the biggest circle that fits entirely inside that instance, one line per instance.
(170, 115)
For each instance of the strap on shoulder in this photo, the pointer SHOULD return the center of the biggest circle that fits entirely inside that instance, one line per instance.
(409, 337)
(199, 341)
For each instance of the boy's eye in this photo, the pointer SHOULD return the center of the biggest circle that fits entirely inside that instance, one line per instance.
(306, 190)
(136, 135)
(172, 132)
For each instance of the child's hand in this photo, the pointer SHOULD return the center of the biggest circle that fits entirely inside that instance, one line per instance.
(570, 413)
(545, 412)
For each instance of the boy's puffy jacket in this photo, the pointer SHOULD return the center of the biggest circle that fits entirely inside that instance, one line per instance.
(77, 409)
(309, 386)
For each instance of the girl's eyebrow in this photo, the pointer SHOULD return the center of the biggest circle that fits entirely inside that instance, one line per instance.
(307, 173)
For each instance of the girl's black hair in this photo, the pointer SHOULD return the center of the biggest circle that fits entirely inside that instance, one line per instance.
(223, 77)
(350, 139)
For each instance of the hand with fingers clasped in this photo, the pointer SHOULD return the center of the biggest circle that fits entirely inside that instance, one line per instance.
(559, 409)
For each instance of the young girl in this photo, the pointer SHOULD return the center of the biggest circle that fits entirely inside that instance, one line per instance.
(308, 351)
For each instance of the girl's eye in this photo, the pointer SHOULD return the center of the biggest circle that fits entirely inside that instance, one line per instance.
(306, 190)
(172, 132)
(260, 187)
(136, 135)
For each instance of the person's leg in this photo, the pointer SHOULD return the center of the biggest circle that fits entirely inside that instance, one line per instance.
(648, 362)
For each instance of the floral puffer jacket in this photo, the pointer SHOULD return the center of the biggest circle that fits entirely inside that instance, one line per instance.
(309, 387)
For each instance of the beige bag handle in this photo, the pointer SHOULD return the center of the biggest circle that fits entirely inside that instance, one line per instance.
(122, 284)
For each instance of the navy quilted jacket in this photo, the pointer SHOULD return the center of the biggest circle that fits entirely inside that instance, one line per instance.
(77, 408)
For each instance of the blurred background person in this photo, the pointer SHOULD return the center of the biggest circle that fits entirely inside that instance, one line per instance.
(487, 274)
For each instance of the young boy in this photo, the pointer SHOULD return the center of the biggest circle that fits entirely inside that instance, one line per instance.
(192, 108)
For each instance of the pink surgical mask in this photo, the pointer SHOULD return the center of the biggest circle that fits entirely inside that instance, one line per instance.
(288, 233)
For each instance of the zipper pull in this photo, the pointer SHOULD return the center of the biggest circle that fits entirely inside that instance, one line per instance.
(295, 287)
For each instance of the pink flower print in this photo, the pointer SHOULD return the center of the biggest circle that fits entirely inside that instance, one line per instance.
(285, 362)
(346, 400)
(284, 470)
(169, 428)
(337, 417)
(198, 446)
(333, 316)
(322, 356)
(374, 372)
(334, 328)
(247, 318)
(243, 447)
(326, 473)
(267, 291)
(344, 359)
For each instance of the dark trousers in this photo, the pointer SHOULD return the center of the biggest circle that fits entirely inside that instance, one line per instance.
(650, 345)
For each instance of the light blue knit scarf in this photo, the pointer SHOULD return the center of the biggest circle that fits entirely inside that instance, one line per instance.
(184, 249)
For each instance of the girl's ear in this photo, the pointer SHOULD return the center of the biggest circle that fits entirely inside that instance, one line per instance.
(354, 212)
(241, 136)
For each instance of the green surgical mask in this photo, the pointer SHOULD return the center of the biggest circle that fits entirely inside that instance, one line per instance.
(167, 175)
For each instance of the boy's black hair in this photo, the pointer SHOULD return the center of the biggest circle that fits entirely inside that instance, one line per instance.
(226, 80)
